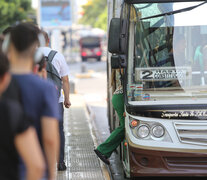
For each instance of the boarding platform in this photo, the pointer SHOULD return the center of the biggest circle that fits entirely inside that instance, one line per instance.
(81, 161)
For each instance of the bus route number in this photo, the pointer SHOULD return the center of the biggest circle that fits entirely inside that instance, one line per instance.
(162, 74)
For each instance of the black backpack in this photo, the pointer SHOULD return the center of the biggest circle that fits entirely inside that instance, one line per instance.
(52, 73)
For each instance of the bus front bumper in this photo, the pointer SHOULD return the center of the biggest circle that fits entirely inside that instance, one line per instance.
(165, 163)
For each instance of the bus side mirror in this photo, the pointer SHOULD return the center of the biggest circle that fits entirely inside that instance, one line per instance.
(123, 36)
(118, 61)
(113, 40)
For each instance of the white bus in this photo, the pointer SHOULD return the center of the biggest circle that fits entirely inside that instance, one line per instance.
(162, 47)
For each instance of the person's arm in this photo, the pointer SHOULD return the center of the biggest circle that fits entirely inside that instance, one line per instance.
(50, 137)
(28, 147)
(66, 90)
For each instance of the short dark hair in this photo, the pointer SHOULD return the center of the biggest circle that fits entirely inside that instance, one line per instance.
(4, 64)
(24, 35)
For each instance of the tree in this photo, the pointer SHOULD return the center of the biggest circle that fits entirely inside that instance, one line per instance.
(102, 20)
(13, 11)
(95, 14)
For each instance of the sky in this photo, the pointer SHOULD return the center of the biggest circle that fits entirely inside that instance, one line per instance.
(34, 3)
(79, 2)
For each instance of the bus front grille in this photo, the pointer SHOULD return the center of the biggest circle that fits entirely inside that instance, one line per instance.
(187, 162)
(192, 133)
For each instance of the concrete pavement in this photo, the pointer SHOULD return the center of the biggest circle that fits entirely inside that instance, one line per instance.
(81, 161)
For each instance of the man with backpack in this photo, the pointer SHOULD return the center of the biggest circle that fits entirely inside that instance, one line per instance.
(57, 71)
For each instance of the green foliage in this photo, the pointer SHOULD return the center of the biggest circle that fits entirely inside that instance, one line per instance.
(102, 20)
(95, 14)
(13, 11)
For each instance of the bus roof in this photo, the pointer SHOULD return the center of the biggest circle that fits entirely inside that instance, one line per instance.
(157, 1)
(90, 40)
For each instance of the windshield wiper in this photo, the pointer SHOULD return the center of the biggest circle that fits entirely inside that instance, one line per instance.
(174, 12)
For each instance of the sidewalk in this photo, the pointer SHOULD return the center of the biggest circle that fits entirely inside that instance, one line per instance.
(81, 161)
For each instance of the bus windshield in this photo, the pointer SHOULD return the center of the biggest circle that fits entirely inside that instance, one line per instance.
(90, 41)
(167, 59)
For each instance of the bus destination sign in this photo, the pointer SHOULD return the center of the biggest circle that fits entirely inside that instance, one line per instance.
(162, 73)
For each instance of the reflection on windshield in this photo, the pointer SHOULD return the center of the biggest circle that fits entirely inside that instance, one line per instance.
(170, 54)
(167, 10)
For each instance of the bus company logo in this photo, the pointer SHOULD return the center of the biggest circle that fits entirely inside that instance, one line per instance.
(184, 114)
(146, 97)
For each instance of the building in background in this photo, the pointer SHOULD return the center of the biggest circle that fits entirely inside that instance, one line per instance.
(54, 14)
(73, 7)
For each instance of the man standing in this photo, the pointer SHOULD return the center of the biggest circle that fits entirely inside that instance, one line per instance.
(61, 66)
(17, 135)
(39, 97)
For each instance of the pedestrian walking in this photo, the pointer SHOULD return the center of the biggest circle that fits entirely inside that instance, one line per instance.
(17, 135)
(60, 65)
(39, 97)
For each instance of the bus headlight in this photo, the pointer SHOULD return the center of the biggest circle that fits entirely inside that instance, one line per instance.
(143, 131)
(158, 131)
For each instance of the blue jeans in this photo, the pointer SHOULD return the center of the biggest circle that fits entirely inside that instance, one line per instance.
(62, 134)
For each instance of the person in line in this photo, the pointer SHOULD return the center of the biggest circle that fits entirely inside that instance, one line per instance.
(17, 135)
(104, 150)
(13, 91)
(39, 97)
(62, 68)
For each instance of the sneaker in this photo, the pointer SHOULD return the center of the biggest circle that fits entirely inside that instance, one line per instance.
(62, 166)
(102, 157)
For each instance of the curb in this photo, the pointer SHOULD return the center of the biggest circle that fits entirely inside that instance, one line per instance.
(88, 74)
(83, 75)
(105, 169)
